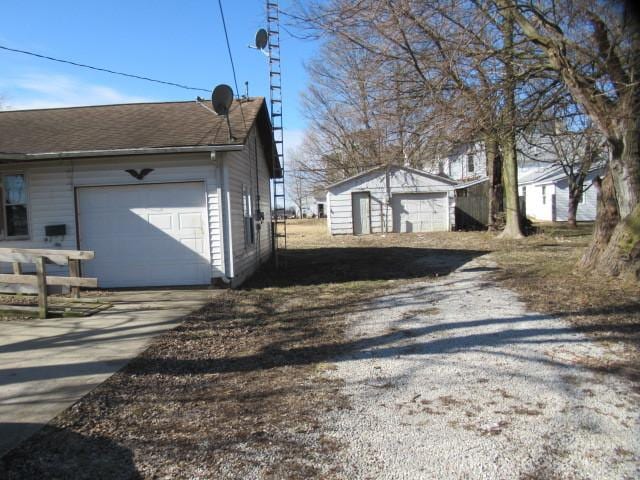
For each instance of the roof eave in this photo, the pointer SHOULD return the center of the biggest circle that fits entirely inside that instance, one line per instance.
(401, 167)
(9, 157)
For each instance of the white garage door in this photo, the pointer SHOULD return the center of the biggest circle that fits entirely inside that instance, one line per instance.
(419, 212)
(145, 235)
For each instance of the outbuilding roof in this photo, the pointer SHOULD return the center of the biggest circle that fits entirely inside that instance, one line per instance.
(392, 167)
(88, 131)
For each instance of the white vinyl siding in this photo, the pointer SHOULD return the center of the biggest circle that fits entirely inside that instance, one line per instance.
(242, 167)
(465, 163)
(52, 193)
(401, 180)
(587, 209)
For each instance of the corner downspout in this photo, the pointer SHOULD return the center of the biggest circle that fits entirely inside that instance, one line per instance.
(387, 199)
(227, 236)
(257, 226)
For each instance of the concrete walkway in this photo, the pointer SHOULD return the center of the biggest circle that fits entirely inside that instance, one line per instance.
(47, 365)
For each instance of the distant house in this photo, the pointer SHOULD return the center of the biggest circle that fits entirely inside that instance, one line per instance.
(464, 163)
(319, 205)
(546, 195)
(542, 182)
(164, 193)
(394, 199)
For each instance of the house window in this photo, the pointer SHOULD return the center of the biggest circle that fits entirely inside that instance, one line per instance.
(247, 214)
(14, 221)
(544, 195)
(470, 163)
(524, 192)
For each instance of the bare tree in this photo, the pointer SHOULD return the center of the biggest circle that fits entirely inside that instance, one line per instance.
(594, 48)
(300, 184)
(358, 113)
(461, 65)
(569, 141)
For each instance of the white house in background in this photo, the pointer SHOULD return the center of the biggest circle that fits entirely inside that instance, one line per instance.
(394, 199)
(546, 195)
(541, 181)
(319, 205)
(164, 193)
(466, 162)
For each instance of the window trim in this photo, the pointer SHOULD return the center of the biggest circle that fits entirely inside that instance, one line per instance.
(471, 163)
(544, 194)
(3, 233)
(248, 217)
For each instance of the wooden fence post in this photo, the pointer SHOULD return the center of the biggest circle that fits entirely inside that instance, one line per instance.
(74, 271)
(17, 268)
(41, 273)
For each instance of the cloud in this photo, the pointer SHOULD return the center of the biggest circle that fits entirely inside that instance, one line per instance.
(39, 90)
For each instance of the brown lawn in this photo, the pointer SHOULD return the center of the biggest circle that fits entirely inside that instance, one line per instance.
(236, 390)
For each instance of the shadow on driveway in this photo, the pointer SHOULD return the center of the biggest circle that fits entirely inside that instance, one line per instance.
(62, 453)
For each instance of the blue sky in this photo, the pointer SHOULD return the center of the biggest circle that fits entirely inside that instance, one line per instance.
(178, 41)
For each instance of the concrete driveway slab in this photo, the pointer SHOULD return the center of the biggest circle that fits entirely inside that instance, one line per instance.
(47, 365)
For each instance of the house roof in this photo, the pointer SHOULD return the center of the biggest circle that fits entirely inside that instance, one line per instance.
(393, 167)
(91, 131)
(471, 183)
(550, 175)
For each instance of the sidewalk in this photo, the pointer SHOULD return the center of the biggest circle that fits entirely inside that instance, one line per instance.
(47, 365)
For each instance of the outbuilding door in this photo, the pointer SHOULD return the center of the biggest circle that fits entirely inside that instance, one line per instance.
(361, 208)
(145, 235)
(419, 212)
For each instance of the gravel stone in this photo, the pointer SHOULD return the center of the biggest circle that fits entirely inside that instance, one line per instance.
(453, 378)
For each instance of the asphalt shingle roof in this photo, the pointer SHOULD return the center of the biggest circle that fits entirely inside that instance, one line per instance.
(125, 126)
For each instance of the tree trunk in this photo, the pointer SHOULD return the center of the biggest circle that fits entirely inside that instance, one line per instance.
(615, 248)
(572, 209)
(512, 228)
(494, 172)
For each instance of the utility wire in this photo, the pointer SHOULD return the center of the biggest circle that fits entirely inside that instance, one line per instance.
(130, 75)
(233, 67)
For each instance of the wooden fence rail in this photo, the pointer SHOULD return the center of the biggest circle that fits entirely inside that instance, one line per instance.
(40, 257)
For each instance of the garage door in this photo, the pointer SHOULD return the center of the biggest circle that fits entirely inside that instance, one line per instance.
(145, 235)
(419, 212)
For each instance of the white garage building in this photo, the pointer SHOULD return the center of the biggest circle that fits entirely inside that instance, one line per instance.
(164, 193)
(391, 199)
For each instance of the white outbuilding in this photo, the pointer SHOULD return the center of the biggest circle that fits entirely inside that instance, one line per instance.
(546, 195)
(391, 199)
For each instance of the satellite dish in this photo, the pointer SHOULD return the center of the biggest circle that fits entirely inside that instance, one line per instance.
(262, 37)
(221, 99)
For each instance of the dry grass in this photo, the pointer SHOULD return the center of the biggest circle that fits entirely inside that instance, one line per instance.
(236, 390)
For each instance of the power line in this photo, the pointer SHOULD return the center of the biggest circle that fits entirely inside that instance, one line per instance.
(106, 70)
(233, 67)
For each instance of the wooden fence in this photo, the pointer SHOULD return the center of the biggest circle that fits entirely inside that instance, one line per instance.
(472, 207)
(42, 257)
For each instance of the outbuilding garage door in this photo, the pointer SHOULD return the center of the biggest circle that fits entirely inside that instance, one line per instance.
(419, 212)
(145, 235)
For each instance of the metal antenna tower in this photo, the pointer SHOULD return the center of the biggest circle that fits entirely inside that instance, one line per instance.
(275, 85)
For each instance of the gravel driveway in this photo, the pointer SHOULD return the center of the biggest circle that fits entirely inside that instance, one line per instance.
(453, 378)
